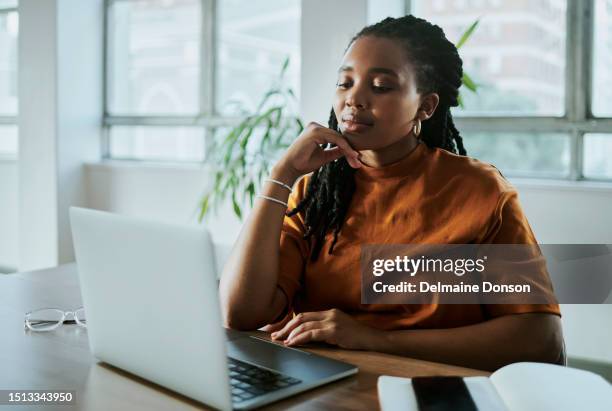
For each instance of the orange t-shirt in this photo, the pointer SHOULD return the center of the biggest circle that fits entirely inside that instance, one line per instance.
(431, 196)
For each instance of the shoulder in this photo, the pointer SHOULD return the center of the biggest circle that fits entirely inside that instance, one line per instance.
(298, 193)
(471, 175)
(299, 190)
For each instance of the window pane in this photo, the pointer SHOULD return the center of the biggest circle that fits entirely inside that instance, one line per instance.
(157, 143)
(8, 140)
(602, 59)
(255, 37)
(517, 154)
(516, 55)
(597, 161)
(153, 65)
(8, 4)
(9, 26)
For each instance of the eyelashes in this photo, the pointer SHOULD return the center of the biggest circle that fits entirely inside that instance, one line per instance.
(378, 89)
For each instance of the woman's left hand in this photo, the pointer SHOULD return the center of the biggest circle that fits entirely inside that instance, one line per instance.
(332, 326)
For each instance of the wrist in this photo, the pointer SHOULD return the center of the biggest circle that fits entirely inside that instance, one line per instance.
(374, 340)
(284, 173)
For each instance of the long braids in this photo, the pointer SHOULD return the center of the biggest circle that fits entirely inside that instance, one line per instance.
(438, 68)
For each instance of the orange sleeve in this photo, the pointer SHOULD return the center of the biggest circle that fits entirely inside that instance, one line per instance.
(294, 249)
(509, 225)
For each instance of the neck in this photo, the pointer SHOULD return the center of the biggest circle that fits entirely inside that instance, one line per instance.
(390, 154)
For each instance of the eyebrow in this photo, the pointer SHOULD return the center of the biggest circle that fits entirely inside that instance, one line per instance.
(382, 70)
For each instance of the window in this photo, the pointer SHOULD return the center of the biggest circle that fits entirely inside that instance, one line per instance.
(527, 43)
(597, 150)
(522, 154)
(153, 57)
(177, 70)
(543, 109)
(9, 27)
(251, 50)
(602, 52)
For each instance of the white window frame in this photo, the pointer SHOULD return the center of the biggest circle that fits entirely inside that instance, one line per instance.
(5, 119)
(206, 118)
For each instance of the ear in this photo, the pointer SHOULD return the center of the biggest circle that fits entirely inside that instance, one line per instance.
(429, 103)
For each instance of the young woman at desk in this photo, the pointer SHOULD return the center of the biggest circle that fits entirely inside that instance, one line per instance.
(397, 173)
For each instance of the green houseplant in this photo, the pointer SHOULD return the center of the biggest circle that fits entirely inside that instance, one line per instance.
(466, 80)
(243, 157)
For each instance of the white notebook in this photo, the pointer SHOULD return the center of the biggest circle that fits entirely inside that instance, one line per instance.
(521, 386)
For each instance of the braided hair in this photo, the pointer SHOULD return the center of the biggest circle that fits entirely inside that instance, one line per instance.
(438, 69)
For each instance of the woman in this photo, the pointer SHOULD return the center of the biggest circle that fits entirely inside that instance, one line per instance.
(392, 175)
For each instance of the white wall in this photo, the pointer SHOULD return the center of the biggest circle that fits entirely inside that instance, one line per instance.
(60, 112)
(567, 212)
(9, 214)
(163, 193)
(327, 27)
(570, 213)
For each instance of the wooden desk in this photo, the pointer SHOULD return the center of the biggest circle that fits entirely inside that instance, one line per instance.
(60, 359)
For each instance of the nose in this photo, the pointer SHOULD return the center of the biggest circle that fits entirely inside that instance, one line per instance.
(356, 97)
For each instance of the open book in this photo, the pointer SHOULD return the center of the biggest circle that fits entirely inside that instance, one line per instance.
(521, 386)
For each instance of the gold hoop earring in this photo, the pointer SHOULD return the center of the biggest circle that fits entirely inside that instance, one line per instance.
(417, 128)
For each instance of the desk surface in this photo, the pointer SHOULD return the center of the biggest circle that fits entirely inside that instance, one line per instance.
(61, 359)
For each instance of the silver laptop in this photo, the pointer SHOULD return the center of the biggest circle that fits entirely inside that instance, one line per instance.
(150, 296)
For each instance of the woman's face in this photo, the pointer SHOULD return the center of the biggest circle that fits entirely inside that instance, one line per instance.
(376, 99)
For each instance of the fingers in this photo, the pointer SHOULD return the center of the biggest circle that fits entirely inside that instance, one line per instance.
(332, 154)
(331, 136)
(321, 334)
(296, 321)
(270, 328)
(307, 326)
(324, 135)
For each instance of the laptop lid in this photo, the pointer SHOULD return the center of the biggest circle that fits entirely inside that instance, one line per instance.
(150, 296)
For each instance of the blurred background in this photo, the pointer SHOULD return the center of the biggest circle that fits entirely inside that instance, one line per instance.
(116, 104)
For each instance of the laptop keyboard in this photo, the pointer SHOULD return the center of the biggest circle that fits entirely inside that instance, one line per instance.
(249, 381)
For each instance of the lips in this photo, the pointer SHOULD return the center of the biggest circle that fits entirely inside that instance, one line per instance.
(356, 119)
(354, 123)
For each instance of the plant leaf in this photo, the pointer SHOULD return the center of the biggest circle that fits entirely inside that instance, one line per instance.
(203, 207)
(237, 210)
(251, 190)
(265, 98)
(469, 83)
(285, 65)
(467, 34)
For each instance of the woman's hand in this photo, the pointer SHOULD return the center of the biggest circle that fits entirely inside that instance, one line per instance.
(332, 326)
(306, 155)
(270, 328)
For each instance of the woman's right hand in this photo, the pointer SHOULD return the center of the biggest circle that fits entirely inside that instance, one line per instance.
(306, 155)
